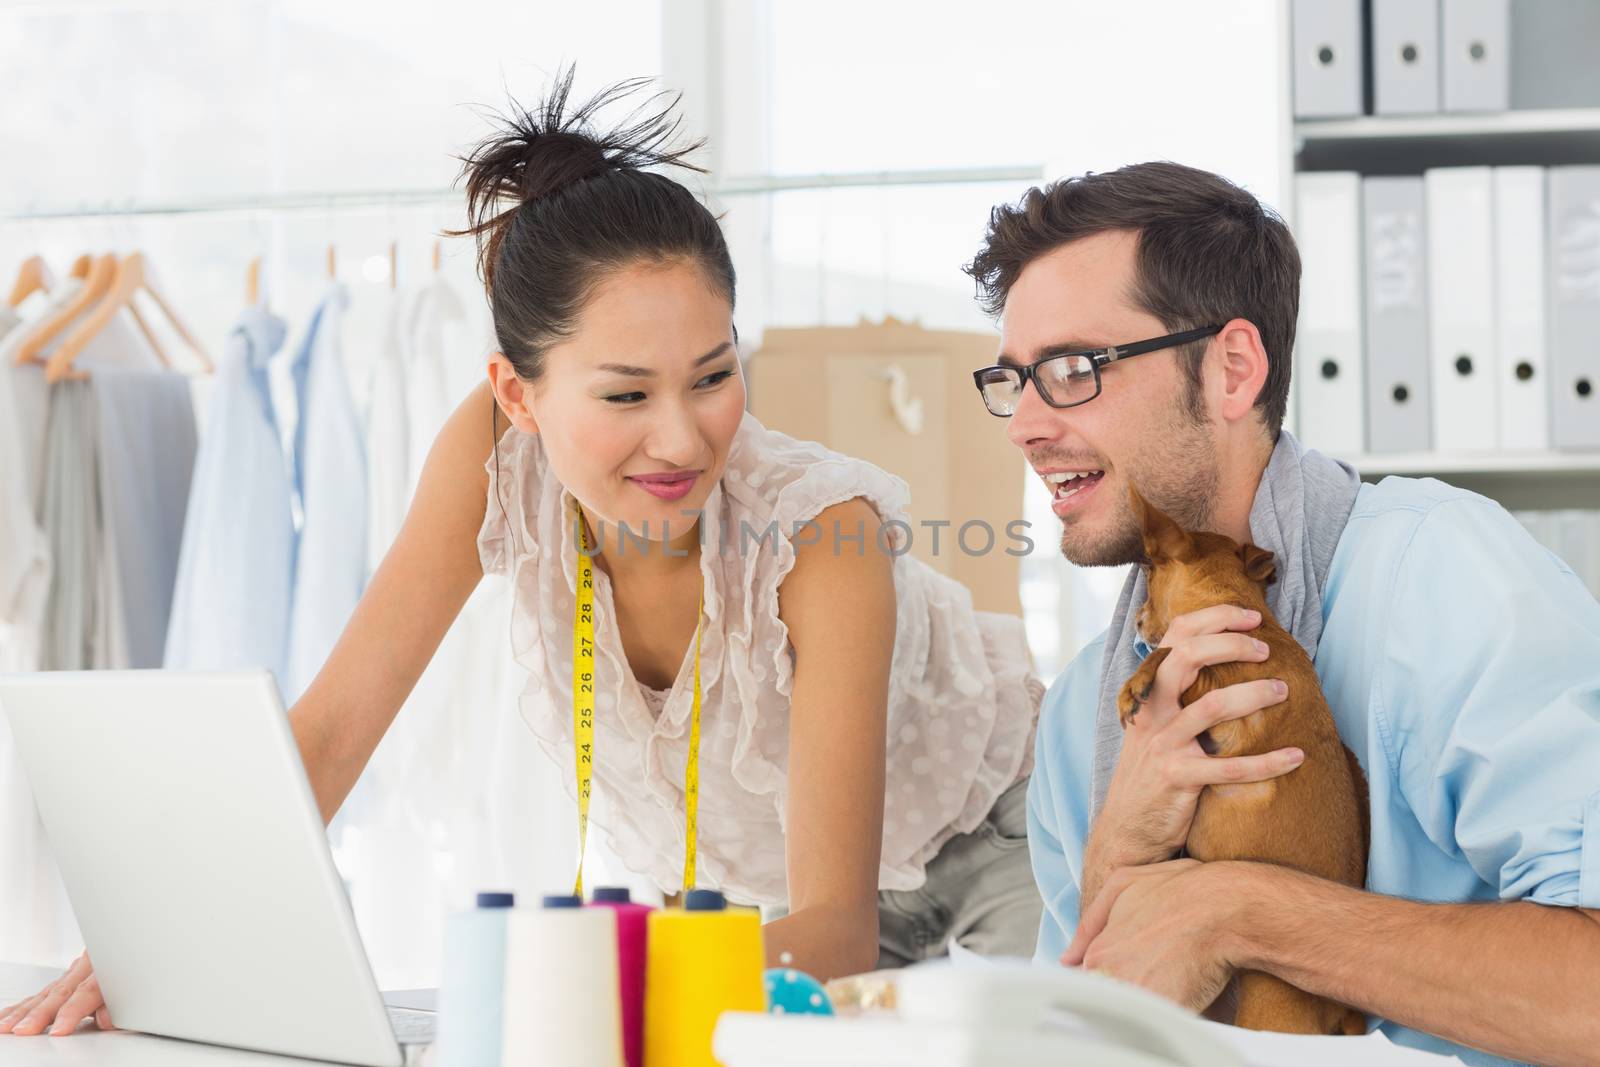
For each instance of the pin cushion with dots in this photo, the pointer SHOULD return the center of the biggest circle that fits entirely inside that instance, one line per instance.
(792, 992)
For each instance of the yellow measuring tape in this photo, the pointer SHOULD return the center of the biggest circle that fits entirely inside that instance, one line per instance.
(583, 713)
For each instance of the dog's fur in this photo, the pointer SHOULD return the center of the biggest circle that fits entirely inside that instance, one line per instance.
(1314, 818)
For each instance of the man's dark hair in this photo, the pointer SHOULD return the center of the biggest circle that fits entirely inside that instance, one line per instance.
(1208, 252)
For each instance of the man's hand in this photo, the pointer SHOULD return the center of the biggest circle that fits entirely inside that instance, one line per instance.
(1159, 926)
(1151, 799)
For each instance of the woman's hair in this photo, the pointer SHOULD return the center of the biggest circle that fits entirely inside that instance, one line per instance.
(557, 205)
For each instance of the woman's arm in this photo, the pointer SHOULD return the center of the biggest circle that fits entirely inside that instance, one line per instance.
(839, 606)
(417, 592)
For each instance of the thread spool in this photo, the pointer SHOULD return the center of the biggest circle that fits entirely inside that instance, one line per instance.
(702, 960)
(561, 1003)
(472, 990)
(632, 926)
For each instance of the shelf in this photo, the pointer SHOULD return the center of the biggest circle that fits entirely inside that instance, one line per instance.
(1531, 481)
(1409, 144)
(1573, 463)
(1410, 127)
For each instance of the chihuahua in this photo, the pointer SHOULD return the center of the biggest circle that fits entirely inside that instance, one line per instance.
(1314, 818)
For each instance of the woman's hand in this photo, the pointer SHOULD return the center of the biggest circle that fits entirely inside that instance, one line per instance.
(62, 1005)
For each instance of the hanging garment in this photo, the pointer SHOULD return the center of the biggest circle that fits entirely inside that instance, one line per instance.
(443, 351)
(330, 478)
(71, 516)
(24, 548)
(230, 608)
(388, 437)
(145, 473)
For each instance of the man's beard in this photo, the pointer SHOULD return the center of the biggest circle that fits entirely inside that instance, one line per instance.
(1180, 478)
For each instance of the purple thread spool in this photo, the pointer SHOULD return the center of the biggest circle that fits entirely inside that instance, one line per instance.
(632, 920)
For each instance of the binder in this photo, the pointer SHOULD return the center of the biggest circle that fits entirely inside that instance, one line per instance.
(1328, 361)
(1399, 405)
(1522, 381)
(1405, 56)
(1326, 37)
(1574, 277)
(1461, 332)
(1553, 53)
(1475, 53)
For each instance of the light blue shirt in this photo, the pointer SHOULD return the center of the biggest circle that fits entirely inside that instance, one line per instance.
(1462, 663)
(230, 607)
(330, 476)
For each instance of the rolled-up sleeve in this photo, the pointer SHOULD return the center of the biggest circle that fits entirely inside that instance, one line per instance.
(1489, 698)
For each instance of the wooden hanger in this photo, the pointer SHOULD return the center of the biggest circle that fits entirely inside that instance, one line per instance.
(394, 265)
(96, 282)
(33, 277)
(436, 253)
(333, 265)
(252, 283)
(132, 275)
(81, 265)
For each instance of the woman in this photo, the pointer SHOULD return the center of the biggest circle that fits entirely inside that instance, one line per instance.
(860, 727)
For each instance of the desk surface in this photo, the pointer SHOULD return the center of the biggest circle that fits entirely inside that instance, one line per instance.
(114, 1048)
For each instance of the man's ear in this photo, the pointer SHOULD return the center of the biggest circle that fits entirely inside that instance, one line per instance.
(1259, 564)
(1163, 538)
(512, 394)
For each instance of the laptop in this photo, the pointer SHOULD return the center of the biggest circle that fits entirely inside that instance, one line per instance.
(198, 865)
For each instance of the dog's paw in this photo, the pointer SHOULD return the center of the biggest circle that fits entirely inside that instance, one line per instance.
(1127, 705)
(1136, 693)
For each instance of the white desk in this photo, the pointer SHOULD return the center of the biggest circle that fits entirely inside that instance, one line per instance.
(94, 1048)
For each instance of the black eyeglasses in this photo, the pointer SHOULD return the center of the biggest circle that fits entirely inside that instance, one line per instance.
(1067, 379)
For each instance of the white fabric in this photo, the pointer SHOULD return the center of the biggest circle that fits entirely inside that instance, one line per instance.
(24, 547)
(442, 348)
(36, 921)
(34, 918)
(388, 435)
(963, 698)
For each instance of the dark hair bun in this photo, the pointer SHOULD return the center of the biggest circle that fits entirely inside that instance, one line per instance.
(534, 156)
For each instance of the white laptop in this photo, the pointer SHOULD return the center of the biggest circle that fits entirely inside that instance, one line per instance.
(197, 863)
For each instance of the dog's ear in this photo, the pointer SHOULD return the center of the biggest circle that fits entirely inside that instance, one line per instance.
(1259, 564)
(1163, 538)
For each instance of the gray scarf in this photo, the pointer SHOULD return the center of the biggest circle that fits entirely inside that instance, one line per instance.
(1299, 514)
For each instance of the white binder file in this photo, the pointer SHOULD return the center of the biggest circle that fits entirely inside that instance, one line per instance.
(1326, 37)
(1522, 383)
(1461, 307)
(1396, 307)
(1475, 53)
(1574, 276)
(1405, 56)
(1328, 362)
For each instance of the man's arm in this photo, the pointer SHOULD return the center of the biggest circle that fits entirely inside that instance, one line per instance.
(1517, 979)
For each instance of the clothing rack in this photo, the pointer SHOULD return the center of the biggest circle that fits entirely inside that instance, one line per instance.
(751, 185)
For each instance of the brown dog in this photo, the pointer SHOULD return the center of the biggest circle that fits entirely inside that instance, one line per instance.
(1314, 818)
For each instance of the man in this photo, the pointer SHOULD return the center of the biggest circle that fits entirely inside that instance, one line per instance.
(1461, 660)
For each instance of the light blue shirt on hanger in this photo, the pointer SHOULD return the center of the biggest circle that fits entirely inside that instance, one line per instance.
(230, 608)
(1462, 663)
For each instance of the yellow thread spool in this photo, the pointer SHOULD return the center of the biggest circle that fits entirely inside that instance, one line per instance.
(702, 960)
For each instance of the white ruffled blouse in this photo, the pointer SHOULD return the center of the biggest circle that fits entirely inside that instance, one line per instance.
(963, 698)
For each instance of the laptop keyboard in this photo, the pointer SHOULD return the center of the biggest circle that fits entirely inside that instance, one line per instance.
(412, 1027)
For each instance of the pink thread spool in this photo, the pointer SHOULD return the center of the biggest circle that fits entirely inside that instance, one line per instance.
(632, 920)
